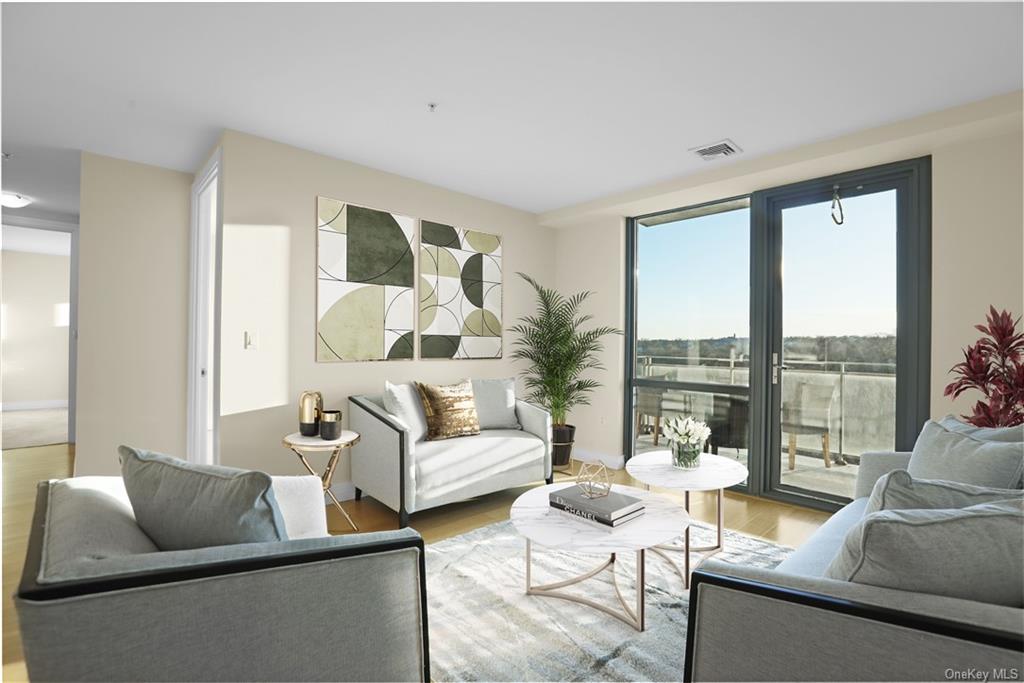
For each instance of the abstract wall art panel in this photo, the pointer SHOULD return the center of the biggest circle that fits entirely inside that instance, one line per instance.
(365, 274)
(460, 293)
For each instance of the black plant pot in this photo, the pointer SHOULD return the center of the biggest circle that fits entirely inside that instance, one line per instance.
(562, 437)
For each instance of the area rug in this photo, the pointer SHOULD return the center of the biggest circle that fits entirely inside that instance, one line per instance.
(26, 428)
(483, 626)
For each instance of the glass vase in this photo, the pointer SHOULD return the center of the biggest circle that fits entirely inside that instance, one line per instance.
(685, 456)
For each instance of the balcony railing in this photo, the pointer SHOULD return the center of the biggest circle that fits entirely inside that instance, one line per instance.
(864, 399)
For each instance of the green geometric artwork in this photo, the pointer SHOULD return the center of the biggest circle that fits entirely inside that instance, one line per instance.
(460, 293)
(365, 275)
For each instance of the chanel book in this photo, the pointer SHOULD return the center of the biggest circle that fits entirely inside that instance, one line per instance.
(605, 509)
(592, 521)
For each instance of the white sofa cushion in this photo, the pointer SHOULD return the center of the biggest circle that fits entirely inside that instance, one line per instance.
(940, 453)
(974, 553)
(453, 464)
(403, 401)
(496, 403)
(900, 491)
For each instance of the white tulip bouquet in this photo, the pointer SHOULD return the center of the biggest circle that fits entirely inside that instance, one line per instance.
(686, 437)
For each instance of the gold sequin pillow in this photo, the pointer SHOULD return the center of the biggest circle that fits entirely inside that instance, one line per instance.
(450, 410)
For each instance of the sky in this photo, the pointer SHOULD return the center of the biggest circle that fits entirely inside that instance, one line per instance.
(694, 275)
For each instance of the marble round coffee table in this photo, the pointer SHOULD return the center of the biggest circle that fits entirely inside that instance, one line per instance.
(715, 473)
(533, 517)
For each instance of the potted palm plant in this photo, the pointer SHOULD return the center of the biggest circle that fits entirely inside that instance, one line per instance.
(559, 351)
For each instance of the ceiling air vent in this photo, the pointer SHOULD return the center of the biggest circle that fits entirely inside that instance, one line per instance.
(717, 150)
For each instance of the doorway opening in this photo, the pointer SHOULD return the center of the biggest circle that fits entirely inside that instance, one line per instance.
(38, 333)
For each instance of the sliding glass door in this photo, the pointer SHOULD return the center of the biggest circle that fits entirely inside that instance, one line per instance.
(693, 325)
(794, 322)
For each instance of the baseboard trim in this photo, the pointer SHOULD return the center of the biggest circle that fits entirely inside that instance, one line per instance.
(342, 490)
(615, 462)
(33, 405)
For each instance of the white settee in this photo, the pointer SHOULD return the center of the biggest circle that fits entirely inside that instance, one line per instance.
(409, 476)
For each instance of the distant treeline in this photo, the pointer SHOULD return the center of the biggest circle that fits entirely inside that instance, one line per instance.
(848, 349)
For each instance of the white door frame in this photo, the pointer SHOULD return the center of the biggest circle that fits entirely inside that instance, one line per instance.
(200, 334)
(71, 228)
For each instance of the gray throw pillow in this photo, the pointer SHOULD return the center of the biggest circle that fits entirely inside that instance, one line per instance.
(182, 506)
(1003, 434)
(899, 491)
(496, 403)
(975, 553)
(951, 456)
(403, 401)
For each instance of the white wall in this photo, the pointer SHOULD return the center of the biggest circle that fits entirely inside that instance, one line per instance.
(977, 233)
(270, 184)
(35, 348)
(254, 300)
(133, 310)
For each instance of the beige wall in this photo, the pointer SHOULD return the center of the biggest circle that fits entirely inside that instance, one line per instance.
(977, 233)
(133, 310)
(35, 349)
(591, 258)
(270, 184)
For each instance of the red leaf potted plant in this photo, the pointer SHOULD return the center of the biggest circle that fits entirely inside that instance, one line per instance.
(994, 365)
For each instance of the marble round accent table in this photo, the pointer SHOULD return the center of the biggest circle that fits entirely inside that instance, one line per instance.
(533, 517)
(300, 445)
(716, 473)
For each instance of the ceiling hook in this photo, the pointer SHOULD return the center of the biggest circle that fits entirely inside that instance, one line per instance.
(837, 204)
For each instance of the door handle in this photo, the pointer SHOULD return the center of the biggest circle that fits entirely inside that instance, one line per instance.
(776, 366)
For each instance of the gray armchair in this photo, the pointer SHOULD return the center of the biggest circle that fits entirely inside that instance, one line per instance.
(793, 623)
(98, 602)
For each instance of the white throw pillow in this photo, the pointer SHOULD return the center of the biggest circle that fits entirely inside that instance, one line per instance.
(976, 553)
(899, 491)
(949, 455)
(403, 401)
(496, 403)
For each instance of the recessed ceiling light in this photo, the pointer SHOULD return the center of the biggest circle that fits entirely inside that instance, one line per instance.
(14, 201)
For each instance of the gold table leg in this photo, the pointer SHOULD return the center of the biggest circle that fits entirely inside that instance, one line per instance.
(630, 614)
(687, 548)
(326, 478)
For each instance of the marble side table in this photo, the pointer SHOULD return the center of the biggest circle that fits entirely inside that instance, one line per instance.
(662, 521)
(300, 445)
(715, 473)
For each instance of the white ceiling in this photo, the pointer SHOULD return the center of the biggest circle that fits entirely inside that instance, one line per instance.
(15, 238)
(541, 105)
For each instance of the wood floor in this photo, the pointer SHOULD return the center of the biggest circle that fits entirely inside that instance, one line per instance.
(22, 468)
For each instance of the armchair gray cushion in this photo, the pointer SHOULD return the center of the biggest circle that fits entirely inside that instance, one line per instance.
(181, 505)
(1001, 434)
(975, 553)
(900, 491)
(940, 453)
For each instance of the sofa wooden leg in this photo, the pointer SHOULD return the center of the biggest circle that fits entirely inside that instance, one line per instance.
(359, 493)
(403, 519)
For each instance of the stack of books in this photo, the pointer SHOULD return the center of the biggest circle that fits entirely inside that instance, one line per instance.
(607, 512)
